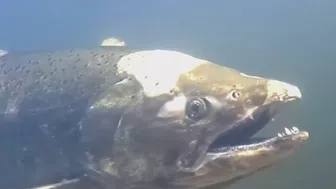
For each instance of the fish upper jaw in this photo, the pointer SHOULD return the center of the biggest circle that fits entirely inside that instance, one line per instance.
(282, 91)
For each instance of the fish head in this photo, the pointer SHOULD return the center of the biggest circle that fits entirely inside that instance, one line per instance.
(221, 102)
(188, 107)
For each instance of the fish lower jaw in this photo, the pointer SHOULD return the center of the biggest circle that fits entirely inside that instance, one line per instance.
(291, 136)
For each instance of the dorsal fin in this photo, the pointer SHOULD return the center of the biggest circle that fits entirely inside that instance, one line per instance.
(3, 52)
(113, 42)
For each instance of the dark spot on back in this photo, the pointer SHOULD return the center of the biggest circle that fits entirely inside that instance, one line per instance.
(17, 68)
(7, 71)
(19, 83)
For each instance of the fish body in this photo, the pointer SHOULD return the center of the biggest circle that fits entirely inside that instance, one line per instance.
(121, 118)
(43, 97)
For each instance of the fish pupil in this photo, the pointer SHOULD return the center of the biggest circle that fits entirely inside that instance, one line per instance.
(196, 108)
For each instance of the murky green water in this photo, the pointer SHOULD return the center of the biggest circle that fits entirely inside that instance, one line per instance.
(293, 41)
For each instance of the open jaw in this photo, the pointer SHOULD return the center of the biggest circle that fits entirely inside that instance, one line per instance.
(245, 135)
(240, 153)
(230, 164)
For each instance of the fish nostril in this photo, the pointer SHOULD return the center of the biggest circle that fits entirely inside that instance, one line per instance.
(236, 94)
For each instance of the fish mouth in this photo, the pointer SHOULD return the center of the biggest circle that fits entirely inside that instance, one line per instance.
(226, 165)
(244, 132)
(240, 152)
(245, 136)
(290, 134)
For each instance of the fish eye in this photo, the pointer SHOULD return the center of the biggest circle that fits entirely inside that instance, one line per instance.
(235, 95)
(197, 108)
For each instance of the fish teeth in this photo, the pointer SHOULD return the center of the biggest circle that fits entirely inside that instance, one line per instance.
(288, 132)
(295, 130)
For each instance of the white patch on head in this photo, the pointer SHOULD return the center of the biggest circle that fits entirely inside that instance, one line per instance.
(157, 70)
(214, 102)
(250, 76)
(174, 107)
(249, 113)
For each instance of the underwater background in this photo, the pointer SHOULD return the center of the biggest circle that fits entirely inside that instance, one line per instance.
(293, 41)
